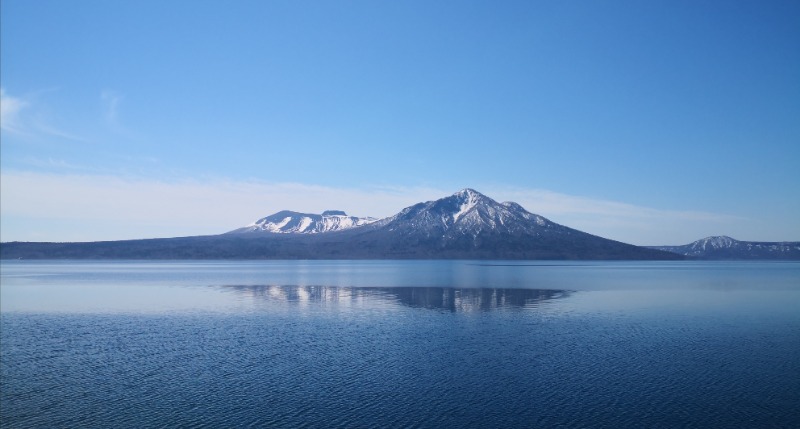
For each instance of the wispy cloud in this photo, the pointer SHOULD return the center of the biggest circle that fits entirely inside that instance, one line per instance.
(142, 207)
(51, 164)
(111, 101)
(34, 123)
(49, 130)
(217, 203)
(625, 222)
(9, 111)
(557, 204)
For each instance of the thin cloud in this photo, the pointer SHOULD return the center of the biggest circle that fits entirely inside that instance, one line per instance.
(9, 111)
(188, 207)
(50, 163)
(560, 204)
(49, 130)
(111, 101)
(31, 124)
(623, 221)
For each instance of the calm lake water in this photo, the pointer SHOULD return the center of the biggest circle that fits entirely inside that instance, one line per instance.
(399, 344)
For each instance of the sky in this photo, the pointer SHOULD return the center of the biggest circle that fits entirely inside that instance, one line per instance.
(649, 122)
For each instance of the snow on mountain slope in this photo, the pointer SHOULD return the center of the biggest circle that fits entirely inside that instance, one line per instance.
(716, 242)
(289, 222)
(469, 225)
(467, 212)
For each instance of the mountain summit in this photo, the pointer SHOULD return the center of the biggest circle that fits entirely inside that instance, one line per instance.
(467, 212)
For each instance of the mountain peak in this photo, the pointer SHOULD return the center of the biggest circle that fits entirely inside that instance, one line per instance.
(467, 199)
(467, 213)
(468, 192)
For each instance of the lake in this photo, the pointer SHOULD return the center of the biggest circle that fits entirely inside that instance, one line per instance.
(399, 344)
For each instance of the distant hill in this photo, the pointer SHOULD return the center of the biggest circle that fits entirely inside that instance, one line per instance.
(465, 225)
(723, 247)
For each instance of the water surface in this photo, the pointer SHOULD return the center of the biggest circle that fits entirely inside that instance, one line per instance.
(399, 344)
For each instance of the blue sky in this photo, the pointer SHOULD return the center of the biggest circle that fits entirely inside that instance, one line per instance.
(651, 122)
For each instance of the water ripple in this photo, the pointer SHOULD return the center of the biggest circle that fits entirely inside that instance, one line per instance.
(420, 365)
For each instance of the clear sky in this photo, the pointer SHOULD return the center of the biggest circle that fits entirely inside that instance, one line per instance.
(650, 122)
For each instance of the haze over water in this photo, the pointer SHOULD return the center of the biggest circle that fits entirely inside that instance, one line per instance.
(400, 344)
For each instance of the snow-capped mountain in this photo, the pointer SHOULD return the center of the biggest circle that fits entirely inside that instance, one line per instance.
(724, 247)
(469, 224)
(465, 225)
(467, 212)
(288, 222)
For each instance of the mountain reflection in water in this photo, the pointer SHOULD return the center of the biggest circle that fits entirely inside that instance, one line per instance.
(436, 298)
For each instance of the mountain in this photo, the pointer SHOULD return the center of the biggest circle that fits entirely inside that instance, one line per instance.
(466, 213)
(470, 225)
(465, 225)
(723, 247)
(286, 222)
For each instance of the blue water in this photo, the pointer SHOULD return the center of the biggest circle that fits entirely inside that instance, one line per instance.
(399, 344)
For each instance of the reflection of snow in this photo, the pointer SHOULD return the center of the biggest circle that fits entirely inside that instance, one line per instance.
(452, 299)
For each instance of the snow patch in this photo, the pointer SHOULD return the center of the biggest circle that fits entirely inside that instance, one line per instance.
(471, 201)
(277, 226)
(305, 222)
(301, 223)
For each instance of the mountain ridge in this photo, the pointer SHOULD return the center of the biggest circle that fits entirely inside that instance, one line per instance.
(722, 247)
(291, 222)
